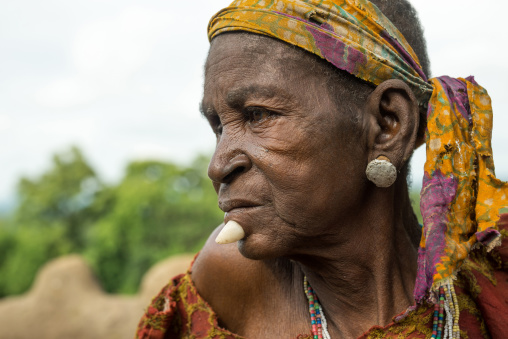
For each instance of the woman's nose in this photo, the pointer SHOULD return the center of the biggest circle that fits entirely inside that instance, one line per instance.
(227, 163)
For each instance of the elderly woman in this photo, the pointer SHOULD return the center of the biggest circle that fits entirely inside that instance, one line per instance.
(317, 106)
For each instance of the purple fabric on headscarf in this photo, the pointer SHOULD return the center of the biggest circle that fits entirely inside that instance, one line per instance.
(437, 194)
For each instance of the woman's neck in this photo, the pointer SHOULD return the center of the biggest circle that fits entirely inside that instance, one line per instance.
(370, 277)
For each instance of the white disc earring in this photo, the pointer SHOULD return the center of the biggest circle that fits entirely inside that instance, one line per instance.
(381, 172)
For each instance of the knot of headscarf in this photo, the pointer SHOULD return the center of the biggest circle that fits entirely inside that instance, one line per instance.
(461, 198)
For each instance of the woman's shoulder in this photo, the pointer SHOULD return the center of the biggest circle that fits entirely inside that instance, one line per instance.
(190, 302)
(221, 274)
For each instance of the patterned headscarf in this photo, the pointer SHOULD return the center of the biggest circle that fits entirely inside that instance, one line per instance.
(461, 198)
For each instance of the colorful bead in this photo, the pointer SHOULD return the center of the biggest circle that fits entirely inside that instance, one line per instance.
(317, 318)
(438, 317)
(455, 311)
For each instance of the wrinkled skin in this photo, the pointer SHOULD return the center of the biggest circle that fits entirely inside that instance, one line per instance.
(278, 166)
(289, 167)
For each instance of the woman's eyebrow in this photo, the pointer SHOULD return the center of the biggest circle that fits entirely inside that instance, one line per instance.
(237, 97)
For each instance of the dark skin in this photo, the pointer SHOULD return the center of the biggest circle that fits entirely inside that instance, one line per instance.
(289, 167)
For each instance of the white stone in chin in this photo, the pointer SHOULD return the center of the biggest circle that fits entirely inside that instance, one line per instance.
(231, 232)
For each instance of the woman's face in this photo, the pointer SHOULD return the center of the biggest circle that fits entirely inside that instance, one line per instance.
(289, 164)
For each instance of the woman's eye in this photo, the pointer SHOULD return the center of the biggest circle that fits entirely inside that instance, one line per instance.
(257, 114)
(216, 124)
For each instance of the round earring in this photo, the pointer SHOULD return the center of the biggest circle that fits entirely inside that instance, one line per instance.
(381, 172)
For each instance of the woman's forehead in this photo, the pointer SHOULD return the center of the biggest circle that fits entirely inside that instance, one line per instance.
(241, 64)
(255, 60)
(259, 50)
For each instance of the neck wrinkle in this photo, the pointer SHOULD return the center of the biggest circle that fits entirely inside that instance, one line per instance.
(369, 278)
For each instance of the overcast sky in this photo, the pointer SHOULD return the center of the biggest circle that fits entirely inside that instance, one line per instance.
(122, 79)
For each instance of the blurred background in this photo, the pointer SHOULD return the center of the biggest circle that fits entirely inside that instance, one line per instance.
(103, 152)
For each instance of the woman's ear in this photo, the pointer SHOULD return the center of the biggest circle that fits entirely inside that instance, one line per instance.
(394, 117)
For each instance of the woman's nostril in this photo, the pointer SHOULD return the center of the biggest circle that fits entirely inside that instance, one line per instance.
(234, 173)
(237, 165)
(224, 168)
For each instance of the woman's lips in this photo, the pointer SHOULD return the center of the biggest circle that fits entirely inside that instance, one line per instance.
(230, 204)
(247, 213)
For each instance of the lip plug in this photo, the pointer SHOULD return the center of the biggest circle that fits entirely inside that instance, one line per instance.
(231, 232)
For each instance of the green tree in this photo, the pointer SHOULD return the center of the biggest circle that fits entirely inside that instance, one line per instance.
(23, 251)
(62, 197)
(53, 215)
(159, 209)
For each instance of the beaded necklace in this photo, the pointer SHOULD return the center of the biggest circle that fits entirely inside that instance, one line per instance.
(317, 317)
(446, 327)
(441, 328)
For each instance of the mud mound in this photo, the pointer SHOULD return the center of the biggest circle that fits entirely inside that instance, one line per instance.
(66, 301)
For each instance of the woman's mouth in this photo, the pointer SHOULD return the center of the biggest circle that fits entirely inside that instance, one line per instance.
(230, 204)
